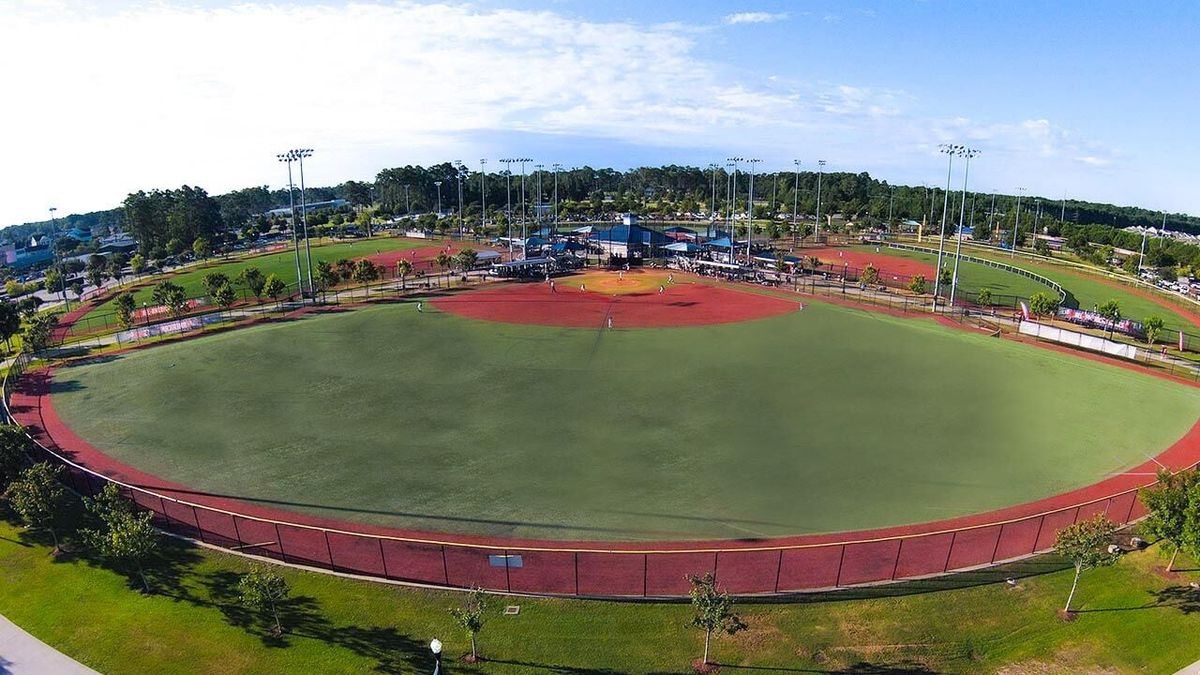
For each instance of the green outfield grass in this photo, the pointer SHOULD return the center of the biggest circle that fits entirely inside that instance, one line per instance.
(282, 264)
(821, 420)
(972, 276)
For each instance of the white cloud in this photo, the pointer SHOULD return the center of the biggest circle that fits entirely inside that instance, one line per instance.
(754, 17)
(108, 101)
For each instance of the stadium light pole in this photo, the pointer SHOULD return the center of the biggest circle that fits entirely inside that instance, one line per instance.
(796, 205)
(458, 173)
(966, 153)
(991, 214)
(735, 161)
(950, 150)
(62, 268)
(483, 194)
(300, 154)
(508, 162)
(557, 167)
(538, 172)
(1017, 222)
(287, 157)
(750, 212)
(712, 206)
(438, 184)
(524, 227)
(817, 227)
(728, 188)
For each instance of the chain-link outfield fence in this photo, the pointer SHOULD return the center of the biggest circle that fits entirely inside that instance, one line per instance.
(770, 566)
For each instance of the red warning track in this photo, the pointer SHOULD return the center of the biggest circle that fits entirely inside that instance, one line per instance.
(680, 304)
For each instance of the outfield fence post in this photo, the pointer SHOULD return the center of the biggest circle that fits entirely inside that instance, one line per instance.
(1037, 537)
(950, 551)
(837, 582)
(199, 530)
(383, 558)
(162, 508)
(329, 550)
(1132, 503)
(896, 560)
(645, 573)
(445, 567)
(237, 533)
(279, 543)
(507, 576)
(576, 556)
(778, 569)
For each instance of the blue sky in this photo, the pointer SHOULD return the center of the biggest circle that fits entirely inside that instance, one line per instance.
(1092, 100)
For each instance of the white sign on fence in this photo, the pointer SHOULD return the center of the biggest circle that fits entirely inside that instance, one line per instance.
(1067, 337)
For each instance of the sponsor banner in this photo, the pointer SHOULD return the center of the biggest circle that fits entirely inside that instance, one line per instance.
(167, 328)
(271, 248)
(1088, 319)
(147, 313)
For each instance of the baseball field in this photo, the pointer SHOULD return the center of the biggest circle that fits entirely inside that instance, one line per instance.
(510, 415)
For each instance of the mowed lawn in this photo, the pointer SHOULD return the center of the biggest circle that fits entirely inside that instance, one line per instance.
(282, 264)
(972, 276)
(825, 419)
(1132, 621)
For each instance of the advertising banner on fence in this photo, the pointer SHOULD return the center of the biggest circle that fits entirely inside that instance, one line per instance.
(167, 328)
(1066, 337)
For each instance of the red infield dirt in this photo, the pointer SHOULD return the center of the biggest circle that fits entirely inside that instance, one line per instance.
(680, 304)
(886, 264)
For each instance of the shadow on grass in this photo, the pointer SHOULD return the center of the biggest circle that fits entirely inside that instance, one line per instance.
(1184, 598)
(301, 617)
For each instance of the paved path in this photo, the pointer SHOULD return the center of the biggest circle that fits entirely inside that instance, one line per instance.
(23, 654)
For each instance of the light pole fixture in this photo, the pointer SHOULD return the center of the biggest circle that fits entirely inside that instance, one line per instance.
(300, 154)
(557, 167)
(734, 162)
(62, 276)
(712, 206)
(438, 184)
(1017, 222)
(750, 211)
(508, 189)
(817, 226)
(537, 175)
(796, 205)
(458, 174)
(524, 228)
(966, 153)
(482, 194)
(288, 158)
(950, 150)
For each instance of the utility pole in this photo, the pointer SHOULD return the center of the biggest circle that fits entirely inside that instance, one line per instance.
(508, 188)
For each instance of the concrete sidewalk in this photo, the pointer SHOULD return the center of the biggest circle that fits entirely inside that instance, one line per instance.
(23, 654)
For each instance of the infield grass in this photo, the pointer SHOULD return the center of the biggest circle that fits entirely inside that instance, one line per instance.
(825, 419)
